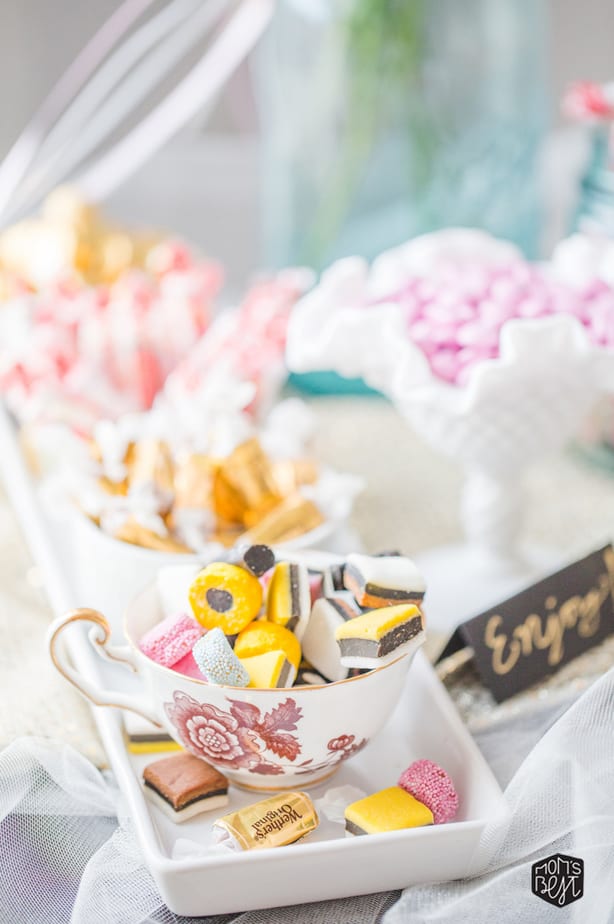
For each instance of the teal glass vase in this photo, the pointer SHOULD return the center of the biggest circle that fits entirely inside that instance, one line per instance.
(382, 120)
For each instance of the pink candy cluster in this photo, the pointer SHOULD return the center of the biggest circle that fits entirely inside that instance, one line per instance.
(107, 349)
(455, 314)
(429, 784)
(251, 342)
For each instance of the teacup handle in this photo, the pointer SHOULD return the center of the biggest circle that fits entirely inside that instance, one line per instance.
(98, 637)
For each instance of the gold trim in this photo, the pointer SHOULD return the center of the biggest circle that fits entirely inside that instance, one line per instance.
(86, 614)
(303, 785)
(454, 662)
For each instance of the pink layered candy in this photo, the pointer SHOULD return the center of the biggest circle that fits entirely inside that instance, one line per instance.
(429, 784)
(455, 315)
(171, 640)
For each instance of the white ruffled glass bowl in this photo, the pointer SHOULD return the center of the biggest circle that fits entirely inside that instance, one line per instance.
(512, 410)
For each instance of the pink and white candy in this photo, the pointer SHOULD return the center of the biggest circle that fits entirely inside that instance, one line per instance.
(106, 349)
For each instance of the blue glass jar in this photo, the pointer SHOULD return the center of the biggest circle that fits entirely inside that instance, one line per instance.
(382, 120)
(595, 210)
(595, 215)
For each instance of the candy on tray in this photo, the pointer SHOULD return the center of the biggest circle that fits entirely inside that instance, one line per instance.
(288, 598)
(319, 643)
(263, 636)
(379, 636)
(275, 822)
(218, 662)
(430, 784)
(143, 737)
(391, 809)
(335, 800)
(183, 786)
(170, 640)
(269, 670)
(381, 580)
(225, 595)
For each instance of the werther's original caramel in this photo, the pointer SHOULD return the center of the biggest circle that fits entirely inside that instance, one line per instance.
(274, 822)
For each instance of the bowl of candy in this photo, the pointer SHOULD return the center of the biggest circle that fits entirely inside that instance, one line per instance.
(151, 490)
(271, 670)
(494, 361)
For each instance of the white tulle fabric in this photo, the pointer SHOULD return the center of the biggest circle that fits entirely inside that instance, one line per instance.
(65, 856)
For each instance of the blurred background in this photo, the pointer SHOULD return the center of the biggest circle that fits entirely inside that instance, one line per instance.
(490, 76)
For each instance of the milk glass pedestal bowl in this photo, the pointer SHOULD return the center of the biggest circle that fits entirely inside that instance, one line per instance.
(513, 410)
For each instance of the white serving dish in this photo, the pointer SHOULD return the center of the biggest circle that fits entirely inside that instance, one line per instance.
(327, 864)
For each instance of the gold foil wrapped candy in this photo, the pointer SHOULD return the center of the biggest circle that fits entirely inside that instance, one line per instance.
(245, 495)
(247, 477)
(274, 822)
(151, 466)
(291, 518)
(69, 240)
(135, 533)
(194, 476)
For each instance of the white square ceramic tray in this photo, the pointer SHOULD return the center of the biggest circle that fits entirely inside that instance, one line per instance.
(325, 865)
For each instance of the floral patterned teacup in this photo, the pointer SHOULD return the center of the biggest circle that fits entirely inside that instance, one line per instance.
(260, 739)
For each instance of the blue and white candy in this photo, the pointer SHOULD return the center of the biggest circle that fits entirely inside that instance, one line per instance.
(217, 660)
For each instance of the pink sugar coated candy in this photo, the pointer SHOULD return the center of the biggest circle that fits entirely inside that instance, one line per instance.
(171, 640)
(429, 784)
(188, 667)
